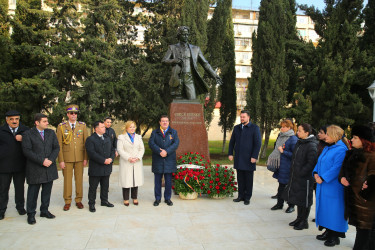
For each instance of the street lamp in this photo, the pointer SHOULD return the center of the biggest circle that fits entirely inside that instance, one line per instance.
(371, 91)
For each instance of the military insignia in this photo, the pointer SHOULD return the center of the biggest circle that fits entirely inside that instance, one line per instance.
(170, 137)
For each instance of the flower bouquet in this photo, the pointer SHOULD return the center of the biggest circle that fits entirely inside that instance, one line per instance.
(187, 182)
(218, 181)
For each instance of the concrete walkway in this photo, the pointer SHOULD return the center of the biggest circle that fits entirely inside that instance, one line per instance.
(198, 224)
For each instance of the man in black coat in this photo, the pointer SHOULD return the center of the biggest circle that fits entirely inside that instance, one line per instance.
(101, 155)
(246, 142)
(110, 132)
(41, 148)
(12, 162)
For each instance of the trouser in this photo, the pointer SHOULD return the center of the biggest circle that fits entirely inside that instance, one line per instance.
(78, 178)
(93, 185)
(303, 213)
(365, 238)
(245, 184)
(125, 193)
(32, 197)
(280, 190)
(186, 87)
(18, 182)
(167, 188)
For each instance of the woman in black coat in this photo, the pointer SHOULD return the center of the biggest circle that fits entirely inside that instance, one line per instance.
(299, 190)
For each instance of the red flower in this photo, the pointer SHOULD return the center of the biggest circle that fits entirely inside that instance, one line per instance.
(206, 167)
(235, 183)
(202, 172)
(208, 191)
(217, 169)
(217, 179)
(224, 188)
(209, 175)
(172, 187)
(191, 153)
(231, 185)
(180, 156)
(202, 164)
(217, 165)
(210, 186)
(219, 183)
(176, 177)
(217, 187)
(190, 175)
(235, 189)
(202, 156)
(225, 175)
(185, 153)
(196, 153)
(225, 184)
(183, 161)
(201, 177)
(189, 158)
(195, 157)
(180, 167)
(187, 178)
(225, 170)
(209, 170)
(200, 159)
(196, 163)
(201, 187)
(232, 172)
(195, 178)
(217, 174)
(211, 182)
(218, 191)
(190, 163)
(208, 160)
(203, 184)
(226, 167)
(181, 177)
(173, 174)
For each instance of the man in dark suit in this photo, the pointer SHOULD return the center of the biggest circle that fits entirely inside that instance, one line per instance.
(185, 81)
(41, 148)
(101, 155)
(246, 141)
(12, 162)
(163, 143)
(110, 132)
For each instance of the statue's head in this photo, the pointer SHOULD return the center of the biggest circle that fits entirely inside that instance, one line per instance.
(183, 33)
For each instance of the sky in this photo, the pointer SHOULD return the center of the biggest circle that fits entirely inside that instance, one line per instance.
(254, 4)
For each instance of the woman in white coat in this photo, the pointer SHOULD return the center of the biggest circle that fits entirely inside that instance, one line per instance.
(131, 149)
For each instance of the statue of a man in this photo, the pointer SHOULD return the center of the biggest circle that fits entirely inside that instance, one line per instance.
(185, 82)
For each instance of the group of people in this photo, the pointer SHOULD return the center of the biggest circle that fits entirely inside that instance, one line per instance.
(342, 174)
(30, 154)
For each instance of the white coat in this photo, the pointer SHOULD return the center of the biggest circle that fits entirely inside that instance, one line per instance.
(131, 174)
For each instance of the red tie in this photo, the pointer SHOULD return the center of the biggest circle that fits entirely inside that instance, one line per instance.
(42, 134)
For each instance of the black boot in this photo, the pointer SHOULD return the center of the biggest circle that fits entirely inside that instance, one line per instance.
(332, 241)
(323, 236)
(299, 213)
(303, 223)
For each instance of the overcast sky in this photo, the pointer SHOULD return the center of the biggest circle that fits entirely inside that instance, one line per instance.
(254, 4)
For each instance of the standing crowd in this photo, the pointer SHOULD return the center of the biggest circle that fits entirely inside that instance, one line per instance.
(342, 174)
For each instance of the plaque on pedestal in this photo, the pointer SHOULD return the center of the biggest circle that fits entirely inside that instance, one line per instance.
(187, 118)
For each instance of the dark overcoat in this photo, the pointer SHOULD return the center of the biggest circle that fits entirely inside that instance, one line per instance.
(283, 173)
(357, 167)
(299, 190)
(246, 144)
(169, 143)
(98, 150)
(36, 151)
(174, 52)
(110, 132)
(11, 156)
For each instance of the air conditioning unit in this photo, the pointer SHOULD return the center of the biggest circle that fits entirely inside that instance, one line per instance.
(241, 61)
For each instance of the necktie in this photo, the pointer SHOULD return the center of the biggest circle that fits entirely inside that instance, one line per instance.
(42, 134)
(73, 127)
(14, 131)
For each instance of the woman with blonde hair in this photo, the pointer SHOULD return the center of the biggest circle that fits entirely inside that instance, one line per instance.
(330, 205)
(131, 150)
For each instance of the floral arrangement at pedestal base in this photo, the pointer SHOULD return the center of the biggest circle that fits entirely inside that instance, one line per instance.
(195, 174)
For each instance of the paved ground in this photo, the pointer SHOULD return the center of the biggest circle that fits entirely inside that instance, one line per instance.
(199, 224)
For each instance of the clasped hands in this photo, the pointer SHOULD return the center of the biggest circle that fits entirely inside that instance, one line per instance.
(253, 160)
(163, 153)
(133, 159)
(346, 183)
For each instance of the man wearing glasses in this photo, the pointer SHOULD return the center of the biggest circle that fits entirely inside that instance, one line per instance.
(72, 156)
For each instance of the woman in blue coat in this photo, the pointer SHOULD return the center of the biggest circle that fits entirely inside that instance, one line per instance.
(281, 158)
(329, 191)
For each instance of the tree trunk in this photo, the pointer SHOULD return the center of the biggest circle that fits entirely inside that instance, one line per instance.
(224, 141)
(263, 153)
(144, 132)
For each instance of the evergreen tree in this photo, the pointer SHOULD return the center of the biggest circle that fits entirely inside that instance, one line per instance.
(269, 80)
(338, 61)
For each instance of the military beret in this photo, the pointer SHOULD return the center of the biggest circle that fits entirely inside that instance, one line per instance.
(72, 108)
(363, 132)
(12, 113)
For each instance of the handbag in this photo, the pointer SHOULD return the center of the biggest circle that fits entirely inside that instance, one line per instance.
(272, 168)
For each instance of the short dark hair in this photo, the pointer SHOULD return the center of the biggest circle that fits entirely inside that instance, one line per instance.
(38, 117)
(163, 116)
(307, 128)
(107, 118)
(96, 124)
(245, 112)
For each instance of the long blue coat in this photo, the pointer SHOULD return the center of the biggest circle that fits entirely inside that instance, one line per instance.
(164, 165)
(283, 173)
(330, 194)
(246, 144)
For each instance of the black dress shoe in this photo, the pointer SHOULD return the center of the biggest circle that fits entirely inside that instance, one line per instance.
(21, 211)
(92, 208)
(293, 223)
(156, 203)
(169, 202)
(323, 236)
(301, 225)
(274, 197)
(106, 204)
(289, 210)
(31, 219)
(238, 199)
(277, 206)
(313, 220)
(48, 215)
(1, 216)
(332, 241)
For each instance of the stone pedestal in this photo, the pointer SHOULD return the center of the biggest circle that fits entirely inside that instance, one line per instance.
(187, 118)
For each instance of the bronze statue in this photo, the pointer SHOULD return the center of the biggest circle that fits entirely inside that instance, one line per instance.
(185, 82)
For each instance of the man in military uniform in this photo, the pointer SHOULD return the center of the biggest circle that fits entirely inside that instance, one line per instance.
(72, 156)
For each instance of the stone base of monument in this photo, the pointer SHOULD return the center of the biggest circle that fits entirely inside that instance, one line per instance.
(188, 119)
